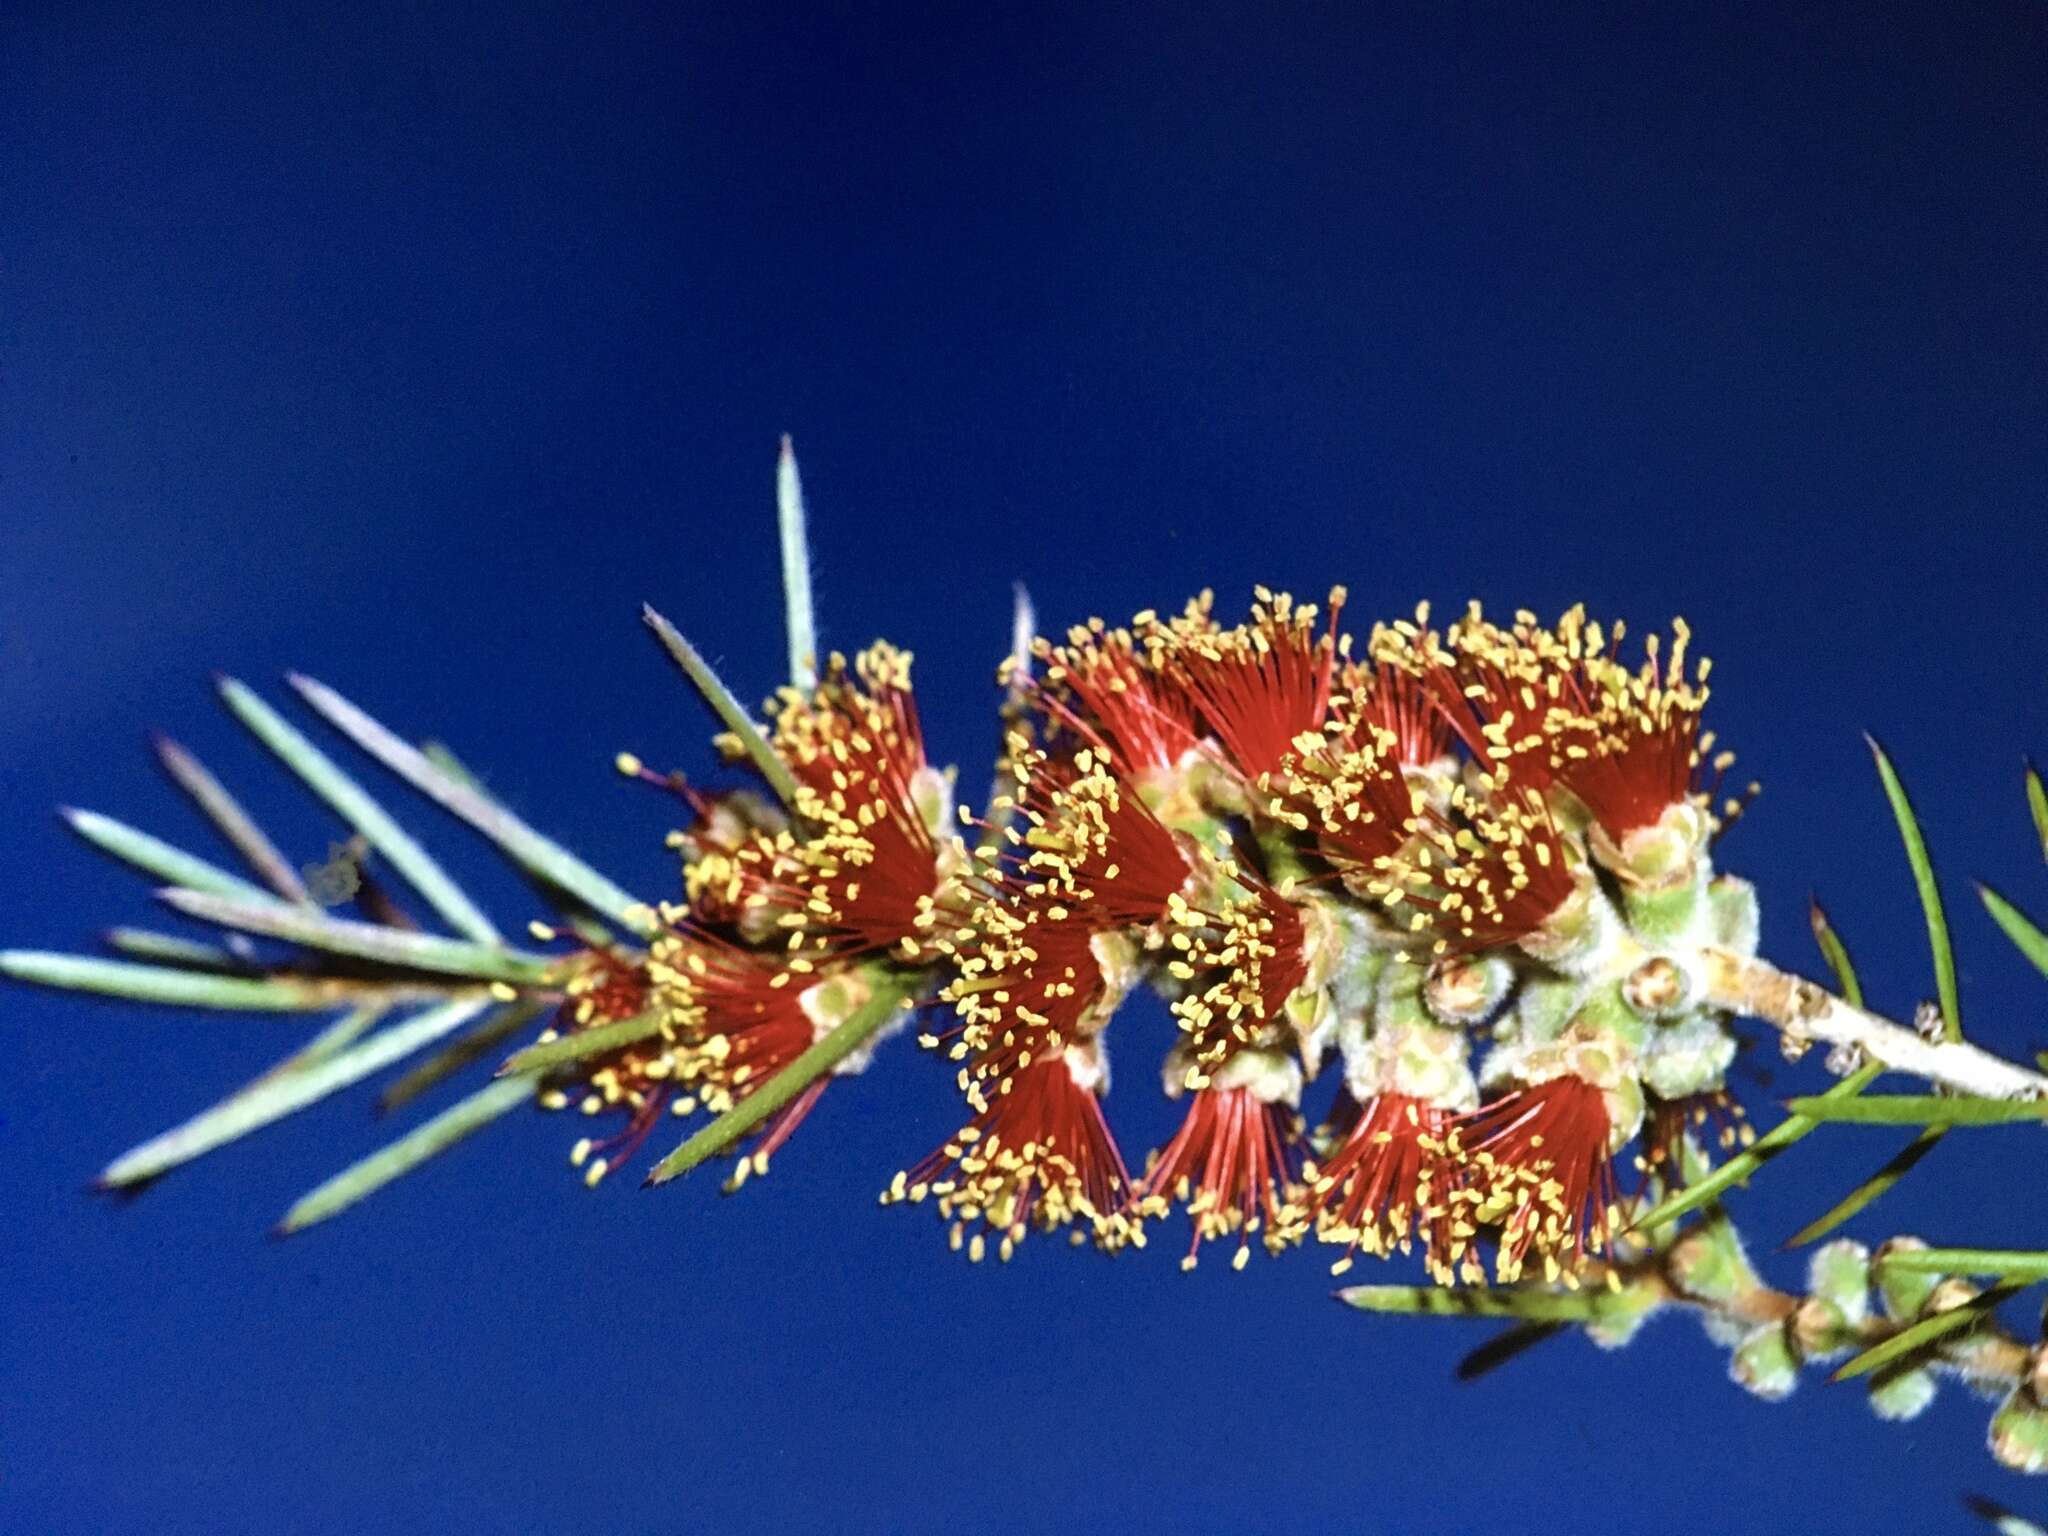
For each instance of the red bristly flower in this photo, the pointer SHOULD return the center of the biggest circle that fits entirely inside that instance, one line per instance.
(1229, 1163)
(1256, 687)
(1538, 1166)
(1389, 1180)
(1100, 688)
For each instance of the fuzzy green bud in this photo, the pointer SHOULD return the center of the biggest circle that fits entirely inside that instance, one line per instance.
(1839, 1274)
(1764, 1364)
(1668, 914)
(2019, 1433)
(1466, 989)
(1708, 1263)
(1902, 1395)
(1670, 852)
(1903, 1293)
(1543, 1006)
(1688, 1056)
(1622, 1314)
(1736, 919)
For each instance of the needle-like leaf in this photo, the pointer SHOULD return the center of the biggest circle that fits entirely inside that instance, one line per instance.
(171, 949)
(2037, 806)
(1930, 893)
(889, 995)
(1511, 1343)
(587, 1042)
(796, 571)
(154, 856)
(457, 1054)
(165, 984)
(1536, 1306)
(731, 713)
(1919, 1109)
(361, 1179)
(541, 855)
(355, 806)
(1994, 1263)
(281, 1093)
(1928, 1330)
(2027, 939)
(234, 823)
(368, 941)
(1901, 1163)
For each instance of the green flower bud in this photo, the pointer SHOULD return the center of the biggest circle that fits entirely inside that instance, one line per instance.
(1903, 1294)
(1660, 988)
(1672, 914)
(1736, 920)
(1709, 1264)
(1839, 1274)
(1466, 989)
(1764, 1363)
(1622, 1314)
(2019, 1433)
(1689, 1056)
(1901, 1395)
(1543, 1006)
(1818, 1329)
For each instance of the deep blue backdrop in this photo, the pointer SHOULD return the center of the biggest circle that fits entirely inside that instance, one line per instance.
(415, 350)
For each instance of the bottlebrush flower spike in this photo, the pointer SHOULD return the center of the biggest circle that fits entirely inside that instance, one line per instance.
(1497, 835)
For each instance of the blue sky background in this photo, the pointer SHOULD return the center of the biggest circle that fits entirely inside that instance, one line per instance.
(415, 347)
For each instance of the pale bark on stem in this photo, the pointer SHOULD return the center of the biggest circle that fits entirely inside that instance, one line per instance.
(1808, 1013)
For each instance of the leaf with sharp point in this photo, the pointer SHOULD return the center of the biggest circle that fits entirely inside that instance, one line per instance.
(600, 1041)
(731, 713)
(171, 949)
(890, 994)
(472, 1047)
(234, 823)
(354, 805)
(1919, 1109)
(277, 1095)
(1930, 893)
(1836, 953)
(524, 846)
(2021, 1265)
(796, 571)
(2037, 807)
(1738, 1169)
(2026, 938)
(165, 984)
(1901, 1163)
(155, 856)
(362, 1179)
(1929, 1330)
(1537, 1306)
(368, 941)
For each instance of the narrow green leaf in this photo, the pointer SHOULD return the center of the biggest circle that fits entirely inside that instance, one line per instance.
(526, 847)
(2037, 805)
(1836, 953)
(172, 949)
(1919, 1109)
(1928, 1330)
(361, 1179)
(2027, 939)
(2024, 1265)
(163, 984)
(279, 1094)
(155, 856)
(355, 806)
(452, 1058)
(724, 705)
(234, 823)
(1901, 1163)
(586, 1042)
(796, 571)
(368, 941)
(2001, 1520)
(890, 994)
(1737, 1169)
(1930, 893)
(1536, 1306)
